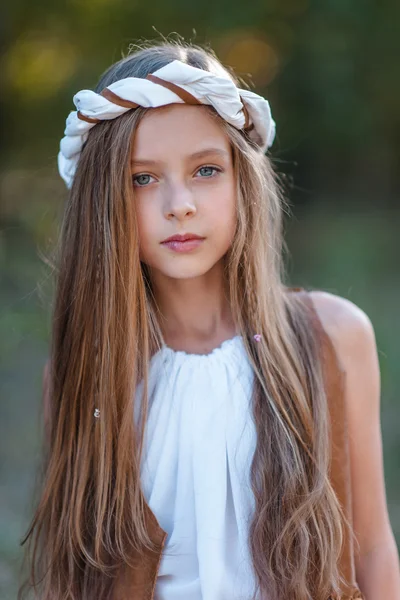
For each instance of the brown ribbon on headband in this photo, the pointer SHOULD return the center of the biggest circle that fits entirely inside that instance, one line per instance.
(183, 94)
(106, 93)
(87, 119)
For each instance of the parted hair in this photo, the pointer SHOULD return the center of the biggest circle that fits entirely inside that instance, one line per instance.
(89, 517)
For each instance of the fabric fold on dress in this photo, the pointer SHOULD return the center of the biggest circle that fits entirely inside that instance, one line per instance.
(199, 443)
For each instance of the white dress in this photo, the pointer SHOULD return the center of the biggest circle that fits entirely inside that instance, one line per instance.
(199, 443)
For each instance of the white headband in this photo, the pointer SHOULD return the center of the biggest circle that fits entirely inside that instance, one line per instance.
(177, 82)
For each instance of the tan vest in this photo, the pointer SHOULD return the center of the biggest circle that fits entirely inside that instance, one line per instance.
(139, 583)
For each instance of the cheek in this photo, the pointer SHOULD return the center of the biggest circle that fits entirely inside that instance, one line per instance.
(145, 223)
(223, 213)
(146, 205)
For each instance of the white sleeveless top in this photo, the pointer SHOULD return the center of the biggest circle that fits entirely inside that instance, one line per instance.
(199, 443)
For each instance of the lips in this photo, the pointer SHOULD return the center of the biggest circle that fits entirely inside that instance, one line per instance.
(182, 237)
(183, 243)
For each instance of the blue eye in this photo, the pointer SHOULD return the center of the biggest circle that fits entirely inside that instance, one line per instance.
(142, 183)
(210, 168)
(143, 179)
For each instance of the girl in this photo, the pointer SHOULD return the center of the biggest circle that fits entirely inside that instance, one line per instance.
(186, 398)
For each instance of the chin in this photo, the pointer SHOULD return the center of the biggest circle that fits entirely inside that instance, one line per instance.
(183, 269)
(185, 272)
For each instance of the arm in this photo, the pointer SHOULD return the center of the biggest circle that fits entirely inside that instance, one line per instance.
(377, 560)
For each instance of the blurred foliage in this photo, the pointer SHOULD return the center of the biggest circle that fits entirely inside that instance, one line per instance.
(330, 71)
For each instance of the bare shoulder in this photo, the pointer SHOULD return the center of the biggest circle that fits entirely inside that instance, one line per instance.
(348, 325)
(353, 337)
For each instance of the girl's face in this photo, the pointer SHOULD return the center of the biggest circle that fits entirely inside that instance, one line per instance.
(184, 183)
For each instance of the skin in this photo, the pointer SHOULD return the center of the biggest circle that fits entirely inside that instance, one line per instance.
(189, 290)
(352, 333)
(176, 192)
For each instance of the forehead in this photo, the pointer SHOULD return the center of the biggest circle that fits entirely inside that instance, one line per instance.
(181, 127)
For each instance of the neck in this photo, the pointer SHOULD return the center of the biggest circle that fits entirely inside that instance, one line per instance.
(195, 314)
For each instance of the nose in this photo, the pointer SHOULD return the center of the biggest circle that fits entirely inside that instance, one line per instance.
(179, 202)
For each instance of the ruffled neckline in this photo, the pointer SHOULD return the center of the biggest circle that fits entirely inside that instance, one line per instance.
(223, 348)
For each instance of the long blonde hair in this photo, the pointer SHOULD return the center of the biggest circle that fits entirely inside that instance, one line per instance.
(90, 517)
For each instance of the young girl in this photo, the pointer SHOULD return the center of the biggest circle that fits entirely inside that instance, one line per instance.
(187, 402)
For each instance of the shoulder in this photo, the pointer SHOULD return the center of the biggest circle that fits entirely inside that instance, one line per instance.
(353, 338)
(348, 326)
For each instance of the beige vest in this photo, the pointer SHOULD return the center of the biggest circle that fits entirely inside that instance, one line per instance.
(139, 583)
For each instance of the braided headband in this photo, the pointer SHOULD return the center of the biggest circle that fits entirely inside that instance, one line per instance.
(177, 82)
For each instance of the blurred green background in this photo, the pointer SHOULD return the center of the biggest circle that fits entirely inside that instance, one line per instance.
(330, 71)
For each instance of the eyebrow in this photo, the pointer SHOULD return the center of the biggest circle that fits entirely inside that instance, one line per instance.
(199, 154)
